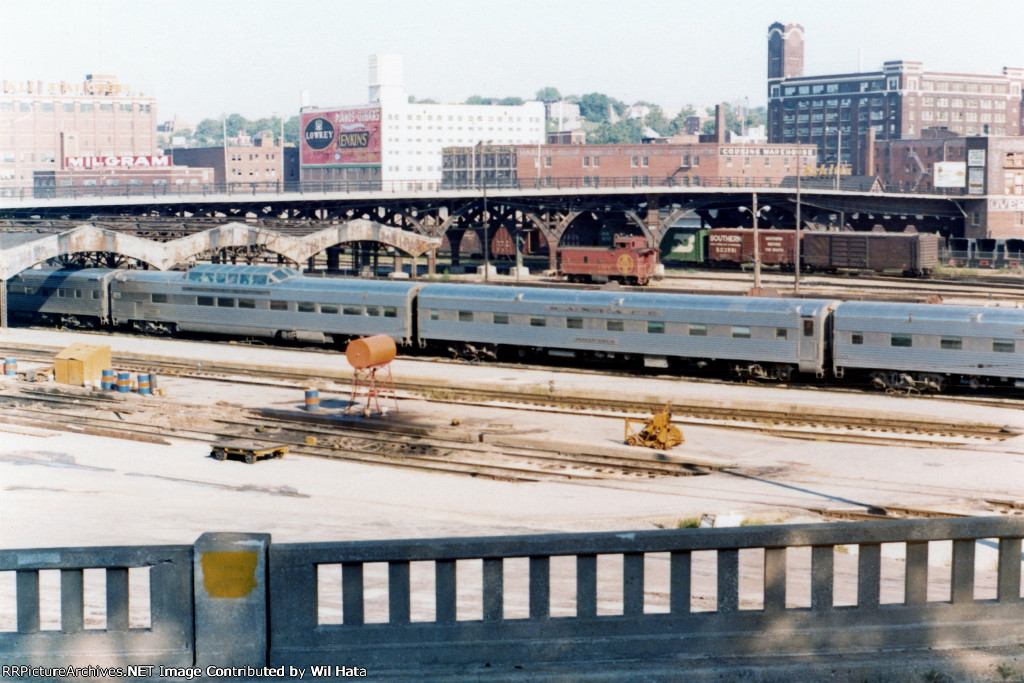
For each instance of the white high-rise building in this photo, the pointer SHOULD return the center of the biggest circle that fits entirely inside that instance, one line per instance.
(392, 143)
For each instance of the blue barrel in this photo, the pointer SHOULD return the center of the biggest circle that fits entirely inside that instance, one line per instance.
(11, 367)
(144, 387)
(107, 381)
(312, 399)
(124, 382)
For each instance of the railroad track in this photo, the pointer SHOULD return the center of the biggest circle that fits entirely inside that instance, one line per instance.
(873, 429)
(154, 421)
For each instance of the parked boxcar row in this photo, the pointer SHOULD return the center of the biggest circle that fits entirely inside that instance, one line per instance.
(910, 254)
(892, 345)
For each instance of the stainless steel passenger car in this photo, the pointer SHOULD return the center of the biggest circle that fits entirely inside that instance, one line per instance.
(262, 301)
(756, 337)
(71, 297)
(924, 346)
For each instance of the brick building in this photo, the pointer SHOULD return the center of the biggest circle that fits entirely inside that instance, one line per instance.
(259, 162)
(711, 162)
(910, 165)
(839, 112)
(41, 123)
(988, 171)
(105, 181)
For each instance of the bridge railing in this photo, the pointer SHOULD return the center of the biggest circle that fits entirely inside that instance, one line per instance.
(100, 612)
(311, 187)
(589, 597)
(569, 600)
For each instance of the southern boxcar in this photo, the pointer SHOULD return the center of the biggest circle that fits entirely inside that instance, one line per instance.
(911, 253)
(72, 297)
(900, 346)
(262, 301)
(769, 338)
(629, 260)
(736, 246)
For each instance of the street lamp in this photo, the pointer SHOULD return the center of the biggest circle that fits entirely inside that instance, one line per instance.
(755, 212)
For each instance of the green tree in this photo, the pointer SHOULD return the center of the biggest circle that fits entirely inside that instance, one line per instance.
(679, 122)
(413, 100)
(594, 107)
(291, 130)
(656, 120)
(510, 101)
(208, 132)
(628, 131)
(476, 99)
(548, 94)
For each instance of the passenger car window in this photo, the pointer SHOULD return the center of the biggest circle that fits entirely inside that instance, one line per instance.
(698, 330)
(781, 334)
(857, 338)
(1003, 345)
(574, 323)
(326, 308)
(951, 343)
(501, 318)
(901, 340)
(355, 310)
(247, 303)
(614, 325)
(279, 305)
(538, 322)
(465, 316)
(204, 300)
(808, 328)
(740, 332)
(306, 307)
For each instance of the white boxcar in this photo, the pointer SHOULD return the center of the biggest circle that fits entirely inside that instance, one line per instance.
(760, 337)
(924, 345)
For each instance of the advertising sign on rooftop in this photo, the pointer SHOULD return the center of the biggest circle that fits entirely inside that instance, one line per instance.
(341, 137)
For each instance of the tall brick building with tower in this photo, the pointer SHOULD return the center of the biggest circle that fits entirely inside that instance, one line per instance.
(844, 114)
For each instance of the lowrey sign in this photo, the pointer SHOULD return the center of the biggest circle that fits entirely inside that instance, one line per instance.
(161, 160)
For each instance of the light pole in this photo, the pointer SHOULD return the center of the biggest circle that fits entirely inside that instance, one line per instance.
(754, 212)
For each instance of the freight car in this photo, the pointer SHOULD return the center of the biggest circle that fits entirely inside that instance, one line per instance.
(912, 254)
(629, 261)
(736, 246)
(892, 346)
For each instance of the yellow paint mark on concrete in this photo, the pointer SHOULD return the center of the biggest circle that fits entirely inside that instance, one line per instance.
(229, 574)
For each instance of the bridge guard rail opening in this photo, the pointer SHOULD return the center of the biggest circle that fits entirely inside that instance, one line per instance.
(167, 639)
(401, 640)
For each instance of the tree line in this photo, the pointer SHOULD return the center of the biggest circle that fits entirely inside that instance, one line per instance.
(596, 109)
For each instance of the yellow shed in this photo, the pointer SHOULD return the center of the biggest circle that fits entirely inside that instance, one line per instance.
(81, 364)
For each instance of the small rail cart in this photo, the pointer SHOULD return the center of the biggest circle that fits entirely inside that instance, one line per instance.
(245, 450)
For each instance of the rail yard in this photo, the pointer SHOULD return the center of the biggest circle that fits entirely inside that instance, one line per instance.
(768, 452)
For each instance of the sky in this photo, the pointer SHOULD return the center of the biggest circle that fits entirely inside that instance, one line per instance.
(207, 58)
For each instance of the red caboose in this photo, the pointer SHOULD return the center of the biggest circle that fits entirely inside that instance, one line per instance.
(629, 261)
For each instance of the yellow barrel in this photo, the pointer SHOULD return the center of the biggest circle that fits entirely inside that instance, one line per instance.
(369, 351)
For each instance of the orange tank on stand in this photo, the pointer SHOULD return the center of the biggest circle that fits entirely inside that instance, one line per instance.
(370, 358)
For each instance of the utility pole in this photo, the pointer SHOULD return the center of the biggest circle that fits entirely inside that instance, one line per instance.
(797, 241)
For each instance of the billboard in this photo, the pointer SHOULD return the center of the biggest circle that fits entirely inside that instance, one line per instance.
(340, 137)
(950, 174)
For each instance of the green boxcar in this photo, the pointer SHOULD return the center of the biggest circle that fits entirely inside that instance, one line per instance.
(688, 246)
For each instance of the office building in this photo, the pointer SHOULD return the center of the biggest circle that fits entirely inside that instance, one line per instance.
(840, 112)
